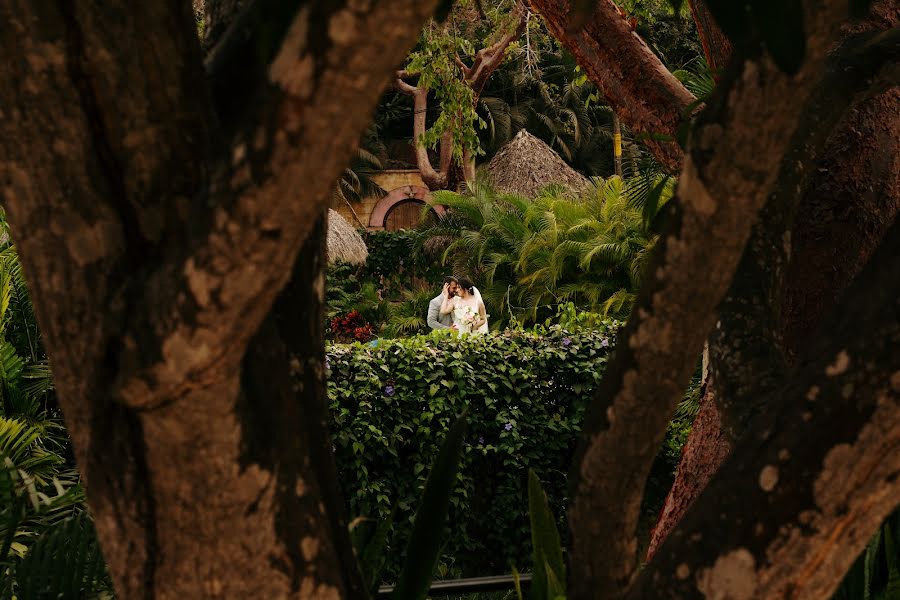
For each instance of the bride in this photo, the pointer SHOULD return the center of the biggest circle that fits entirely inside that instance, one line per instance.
(467, 307)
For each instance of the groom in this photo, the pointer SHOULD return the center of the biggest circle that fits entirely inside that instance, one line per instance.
(435, 319)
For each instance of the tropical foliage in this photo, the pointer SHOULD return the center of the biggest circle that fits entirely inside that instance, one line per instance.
(525, 393)
(555, 102)
(48, 548)
(530, 256)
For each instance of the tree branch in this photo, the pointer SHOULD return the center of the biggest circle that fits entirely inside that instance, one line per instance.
(154, 258)
(435, 180)
(638, 87)
(488, 59)
(823, 461)
(282, 146)
(734, 154)
(716, 46)
(462, 66)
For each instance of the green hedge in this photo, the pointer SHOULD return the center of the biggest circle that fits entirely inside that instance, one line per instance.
(526, 394)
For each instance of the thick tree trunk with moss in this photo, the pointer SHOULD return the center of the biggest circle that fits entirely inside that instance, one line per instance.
(815, 475)
(623, 406)
(155, 242)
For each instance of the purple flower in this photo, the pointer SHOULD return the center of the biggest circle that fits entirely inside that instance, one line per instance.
(508, 427)
(388, 390)
(566, 342)
(481, 439)
(327, 364)
(604, 343)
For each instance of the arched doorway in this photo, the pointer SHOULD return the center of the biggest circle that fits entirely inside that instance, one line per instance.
(405, 214)
(401, 209)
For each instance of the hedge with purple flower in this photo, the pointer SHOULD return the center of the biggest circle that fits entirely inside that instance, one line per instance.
(526, 393)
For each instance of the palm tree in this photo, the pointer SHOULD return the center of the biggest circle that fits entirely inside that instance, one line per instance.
(531, 256)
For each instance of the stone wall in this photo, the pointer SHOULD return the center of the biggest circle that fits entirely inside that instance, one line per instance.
(403, 184)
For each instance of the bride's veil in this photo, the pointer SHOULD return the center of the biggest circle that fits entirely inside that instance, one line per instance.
(477, 295)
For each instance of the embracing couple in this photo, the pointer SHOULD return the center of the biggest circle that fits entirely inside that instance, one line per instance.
(458, 307)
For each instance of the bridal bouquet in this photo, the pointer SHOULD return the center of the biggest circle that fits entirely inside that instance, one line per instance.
(470, 318)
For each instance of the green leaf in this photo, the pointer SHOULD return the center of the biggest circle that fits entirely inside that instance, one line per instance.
(555, 588)
(517, 584)
(548, 559)
(372, 557)
(869, 562)
(64, 562)
(892, 592)
(431, 517)
(780, 24)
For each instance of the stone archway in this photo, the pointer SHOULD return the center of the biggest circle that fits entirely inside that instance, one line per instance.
(398, 196)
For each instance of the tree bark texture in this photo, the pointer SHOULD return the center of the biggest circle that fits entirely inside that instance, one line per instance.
(154, 255)
(732, 164)
(752, 343)
(716, 46)
(702, 454)
(846, 209)
(635, 83)
(815, 475)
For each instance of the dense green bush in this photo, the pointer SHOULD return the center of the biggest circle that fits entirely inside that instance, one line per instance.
(526, 393)
(394, 265)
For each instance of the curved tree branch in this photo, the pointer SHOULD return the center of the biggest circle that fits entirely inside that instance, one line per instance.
(749, 355)
(154, 258)
(816, 474)
(733, 160)
(638, 87)
(488, 59)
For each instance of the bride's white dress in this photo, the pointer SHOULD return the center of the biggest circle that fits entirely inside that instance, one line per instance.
(465, 311)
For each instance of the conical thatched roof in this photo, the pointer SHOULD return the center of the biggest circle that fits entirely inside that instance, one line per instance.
(526, 165)
(344, 243)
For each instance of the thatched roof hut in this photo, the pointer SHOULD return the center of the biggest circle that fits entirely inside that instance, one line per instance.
(525, 165)
(344, 242)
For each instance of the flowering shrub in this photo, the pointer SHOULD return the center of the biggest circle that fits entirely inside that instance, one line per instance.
(350, 327)
(526, 394)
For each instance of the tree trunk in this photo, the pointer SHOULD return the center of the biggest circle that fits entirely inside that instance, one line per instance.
(716, 46)
(638, 87)
(704, 451)
(642, 384)
(797, 265)
(617, 144)
(476, 76)
(155, 256)
(815, 475)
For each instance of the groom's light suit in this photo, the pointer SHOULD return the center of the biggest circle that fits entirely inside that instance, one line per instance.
(435, 319)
